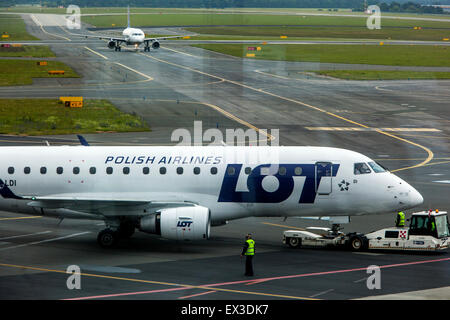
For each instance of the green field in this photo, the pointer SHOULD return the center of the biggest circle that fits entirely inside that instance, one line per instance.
(383, 74)
(14, 26)
(292, 32)
(34, 9)
(249, 19)
(27, 51)
(49, 116)
(395, 55)
(22, 72)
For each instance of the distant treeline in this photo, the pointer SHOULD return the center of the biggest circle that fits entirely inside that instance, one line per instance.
(357, 5)
(409, 7)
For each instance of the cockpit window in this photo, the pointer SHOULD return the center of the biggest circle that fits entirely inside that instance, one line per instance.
(376, 167)
(361, 168)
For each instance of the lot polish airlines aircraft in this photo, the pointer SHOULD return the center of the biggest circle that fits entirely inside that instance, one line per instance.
(180, 192)
(132, 36)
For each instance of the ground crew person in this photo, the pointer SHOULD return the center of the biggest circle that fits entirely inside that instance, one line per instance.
(249, 251)
(433, 229)
(400, 222)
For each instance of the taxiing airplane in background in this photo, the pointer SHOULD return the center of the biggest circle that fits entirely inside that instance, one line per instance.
(180, 192)
(132, 37)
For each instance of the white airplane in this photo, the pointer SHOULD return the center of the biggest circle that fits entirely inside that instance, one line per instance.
(132, 37)
(180, 192)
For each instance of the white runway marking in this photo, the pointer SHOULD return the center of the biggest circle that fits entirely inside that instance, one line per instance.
(360, 280)
(442, 181)
(24, 235)
(43, 241)
(368, 253)
(321, 293)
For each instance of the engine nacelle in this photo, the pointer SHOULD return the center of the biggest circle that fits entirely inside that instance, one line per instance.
(155, 45)
(183, 223)
(111, 44)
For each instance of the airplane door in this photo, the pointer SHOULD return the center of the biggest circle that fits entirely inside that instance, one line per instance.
(324, 177)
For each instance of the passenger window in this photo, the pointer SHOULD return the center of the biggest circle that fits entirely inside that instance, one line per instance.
(59, 170)
(145, 170)
(76, 170)
(109, 170)
(196, 170)
(180, 170)
(126, 170)
(162, 170)
(43, 170)
(92, 170)
(11, 170)
(231, 171)
(361, 168)
(282, 171)
(298, 171)
(26, 170)
(248, 170)
(213, 170)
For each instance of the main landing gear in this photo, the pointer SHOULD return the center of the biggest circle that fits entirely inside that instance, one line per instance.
(117, 48)
(147, 48)
(109, 237)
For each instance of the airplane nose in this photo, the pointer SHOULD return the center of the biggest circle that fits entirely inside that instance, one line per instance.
(416, 198)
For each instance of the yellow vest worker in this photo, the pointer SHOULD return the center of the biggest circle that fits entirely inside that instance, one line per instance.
(251, 248)
(249, 252)
(400, 220)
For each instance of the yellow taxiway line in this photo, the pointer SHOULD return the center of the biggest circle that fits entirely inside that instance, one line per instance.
(19, 218)
(430, 154)
(187, 286)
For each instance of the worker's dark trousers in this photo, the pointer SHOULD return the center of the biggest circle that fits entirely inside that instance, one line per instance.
(249, 265)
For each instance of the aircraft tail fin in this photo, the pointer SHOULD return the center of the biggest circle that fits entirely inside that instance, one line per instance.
(128, 15)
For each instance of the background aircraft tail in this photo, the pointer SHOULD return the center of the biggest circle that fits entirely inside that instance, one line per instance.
(128, 16)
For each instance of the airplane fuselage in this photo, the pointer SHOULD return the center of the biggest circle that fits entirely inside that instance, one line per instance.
(233, 182)
(133, 36)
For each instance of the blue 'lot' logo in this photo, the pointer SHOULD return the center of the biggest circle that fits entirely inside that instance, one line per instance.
(256, 192)
(184, 224)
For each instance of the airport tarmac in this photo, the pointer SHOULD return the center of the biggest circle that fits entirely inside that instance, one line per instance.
(402, 124)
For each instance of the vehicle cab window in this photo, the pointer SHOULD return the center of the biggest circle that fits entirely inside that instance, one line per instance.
(361, 168)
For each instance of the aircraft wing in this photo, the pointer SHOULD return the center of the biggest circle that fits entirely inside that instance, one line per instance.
(108, 207)
(162, 38)
(103, 37)
(101, 204)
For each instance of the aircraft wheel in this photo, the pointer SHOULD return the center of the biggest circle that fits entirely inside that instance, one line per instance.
(294, 242)
(357, 243)
(107, 238)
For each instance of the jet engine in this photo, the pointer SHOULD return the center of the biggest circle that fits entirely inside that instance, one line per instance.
(111, 44)
(183, 223)
(155, 45)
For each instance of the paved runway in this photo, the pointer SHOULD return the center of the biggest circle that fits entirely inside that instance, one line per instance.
(402, 124)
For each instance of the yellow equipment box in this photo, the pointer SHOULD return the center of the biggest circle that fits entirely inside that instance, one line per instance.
(56, 72)
(41, 63)
(72, 102)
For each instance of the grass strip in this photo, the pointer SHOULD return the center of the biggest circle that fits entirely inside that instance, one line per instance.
(394, 55)
(50, 116)
(21, 72)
